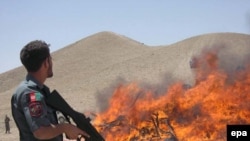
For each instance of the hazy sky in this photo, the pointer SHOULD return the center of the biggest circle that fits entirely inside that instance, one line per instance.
(153, 22)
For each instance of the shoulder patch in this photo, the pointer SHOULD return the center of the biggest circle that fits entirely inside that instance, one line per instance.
(35, 104)
(36, 109)
(34, 96)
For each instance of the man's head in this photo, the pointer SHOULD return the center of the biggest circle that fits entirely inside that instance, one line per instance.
(35, 56)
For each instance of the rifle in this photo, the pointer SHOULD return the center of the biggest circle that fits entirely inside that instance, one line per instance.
(56, 101)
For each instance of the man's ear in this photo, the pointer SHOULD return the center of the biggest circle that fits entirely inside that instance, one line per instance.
(46, 63)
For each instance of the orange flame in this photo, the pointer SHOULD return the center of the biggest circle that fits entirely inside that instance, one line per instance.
(198, 113)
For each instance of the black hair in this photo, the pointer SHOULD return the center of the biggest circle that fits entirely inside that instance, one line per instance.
(33, 54)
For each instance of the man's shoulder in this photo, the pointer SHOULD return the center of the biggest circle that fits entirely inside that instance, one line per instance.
(24, 91)
(26, 87)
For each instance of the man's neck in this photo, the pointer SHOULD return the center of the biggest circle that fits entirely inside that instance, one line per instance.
(38, 76)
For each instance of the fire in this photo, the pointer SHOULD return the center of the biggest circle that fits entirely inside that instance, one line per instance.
(200, 112)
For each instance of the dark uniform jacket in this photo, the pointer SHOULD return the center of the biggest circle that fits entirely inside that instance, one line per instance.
(29, 109)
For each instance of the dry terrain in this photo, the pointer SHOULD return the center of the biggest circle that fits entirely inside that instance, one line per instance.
(87, 71)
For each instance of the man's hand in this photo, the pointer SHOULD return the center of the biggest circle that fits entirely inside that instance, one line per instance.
(49, 132)
(72, 132)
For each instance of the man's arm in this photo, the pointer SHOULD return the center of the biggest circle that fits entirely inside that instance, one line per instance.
(48, 132)
(36, 115)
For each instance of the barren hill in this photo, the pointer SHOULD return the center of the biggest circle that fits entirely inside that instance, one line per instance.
(97, 64)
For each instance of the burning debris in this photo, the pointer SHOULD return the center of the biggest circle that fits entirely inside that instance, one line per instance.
(200, 112)
(152, 130)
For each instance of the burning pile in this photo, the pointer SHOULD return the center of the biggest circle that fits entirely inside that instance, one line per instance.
(186, 114)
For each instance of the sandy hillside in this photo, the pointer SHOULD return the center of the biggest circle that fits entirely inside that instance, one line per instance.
(97, 64)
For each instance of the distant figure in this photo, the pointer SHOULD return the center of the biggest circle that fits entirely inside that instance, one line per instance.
(7, 124)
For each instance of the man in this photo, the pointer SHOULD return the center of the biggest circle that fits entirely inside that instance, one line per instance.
(7, 124)
(34, 119)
